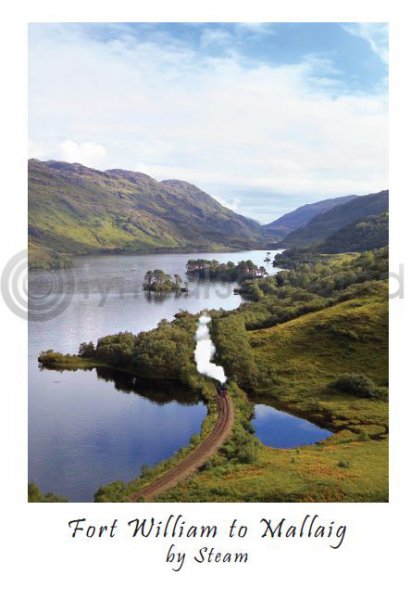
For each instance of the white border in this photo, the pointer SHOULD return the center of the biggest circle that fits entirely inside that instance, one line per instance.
(41, 559)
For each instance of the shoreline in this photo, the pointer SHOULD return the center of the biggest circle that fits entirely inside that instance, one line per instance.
(151, 252)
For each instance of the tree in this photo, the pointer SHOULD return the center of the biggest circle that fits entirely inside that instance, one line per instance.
(148, 278)
(86, 350)
(158, 281)
(159, 276)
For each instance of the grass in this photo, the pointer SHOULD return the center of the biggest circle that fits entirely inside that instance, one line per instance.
(310, 352)
(307, 474)
(306, 354)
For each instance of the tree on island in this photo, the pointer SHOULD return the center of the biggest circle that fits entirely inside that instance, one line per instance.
(213, 270)
(148, 278)
(158, 281)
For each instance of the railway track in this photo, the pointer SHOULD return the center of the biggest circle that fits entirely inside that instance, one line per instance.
(197, 458)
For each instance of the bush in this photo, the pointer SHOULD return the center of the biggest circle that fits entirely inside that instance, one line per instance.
(49, 358)
(242, 446)
(355, 384)
(113, 492)
(248, 453)
(36, 495)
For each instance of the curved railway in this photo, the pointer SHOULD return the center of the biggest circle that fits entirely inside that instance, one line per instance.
(198, 457)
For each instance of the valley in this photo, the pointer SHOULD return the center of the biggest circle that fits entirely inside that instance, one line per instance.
(301, 334)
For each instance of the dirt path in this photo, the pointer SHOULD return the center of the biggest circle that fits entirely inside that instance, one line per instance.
(197, 458)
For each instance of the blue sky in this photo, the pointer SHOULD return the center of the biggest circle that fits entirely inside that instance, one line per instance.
(263, 116)
(357, 66)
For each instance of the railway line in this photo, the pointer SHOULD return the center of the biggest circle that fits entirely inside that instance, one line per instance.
(197, 458)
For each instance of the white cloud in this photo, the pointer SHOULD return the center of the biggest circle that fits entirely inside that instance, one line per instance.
(376, 34)
(234, 205)
(215, 37)
(38, 149)
(215, 121)
(86, 153)
(255, 28)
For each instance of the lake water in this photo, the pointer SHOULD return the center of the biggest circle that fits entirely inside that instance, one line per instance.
(279, 429)
(87, 429)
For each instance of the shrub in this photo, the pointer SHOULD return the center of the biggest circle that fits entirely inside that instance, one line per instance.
(355, 384)
(113, 492)
(242, 446)
(248, 453)
(49, 357)
(36, 495)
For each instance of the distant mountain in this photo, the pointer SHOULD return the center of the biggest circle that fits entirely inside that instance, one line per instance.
(324, 225)
(77, 210)
(366, 234)
(302, 215)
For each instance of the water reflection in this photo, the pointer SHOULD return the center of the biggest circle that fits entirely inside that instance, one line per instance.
(95, 428)
(160, 297)
(162, 393)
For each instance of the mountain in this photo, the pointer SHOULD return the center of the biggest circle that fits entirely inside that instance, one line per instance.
(77, 210)
(365, 234)
(324, 225)
(302, 215)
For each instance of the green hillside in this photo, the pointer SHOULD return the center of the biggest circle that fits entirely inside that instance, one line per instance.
(323, 226)
(302, 215)
(298, 366)
(307, 355)
(365, 234)
(77, 210)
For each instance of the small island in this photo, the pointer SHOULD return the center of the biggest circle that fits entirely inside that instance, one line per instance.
(212, 270)
(163, 283)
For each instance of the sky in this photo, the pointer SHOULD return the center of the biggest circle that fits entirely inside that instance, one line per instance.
(265, 117)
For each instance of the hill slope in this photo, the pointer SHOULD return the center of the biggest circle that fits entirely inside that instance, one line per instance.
(77, 210)
(324, 225)
(304, 356)
(302, 215)
(366, 234)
